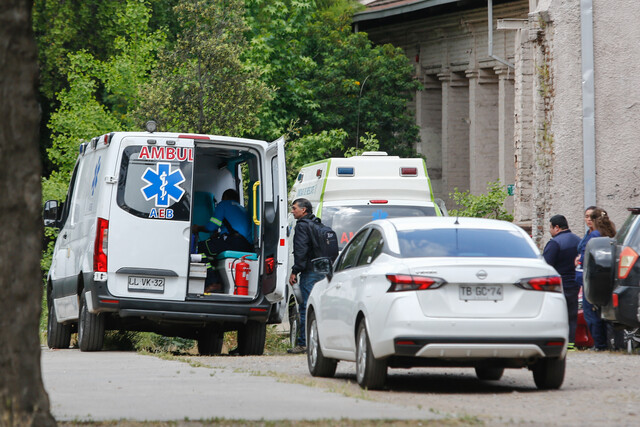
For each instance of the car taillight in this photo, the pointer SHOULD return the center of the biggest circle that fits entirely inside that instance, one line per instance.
(409, 282)
(100, 246)
(628, 258)
(546, 284)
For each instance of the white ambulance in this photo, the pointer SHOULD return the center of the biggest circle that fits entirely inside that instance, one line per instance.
(124, 257)
(348, 192)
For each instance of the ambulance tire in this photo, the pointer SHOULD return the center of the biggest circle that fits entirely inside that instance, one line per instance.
(251, 338)
(58, 335)
(90, 327)
(210, 341)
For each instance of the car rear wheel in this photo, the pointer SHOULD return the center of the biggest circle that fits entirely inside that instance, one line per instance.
(319, 366)
(210, 341)
(489, 374)
(548, 373)
(371, 373)
(294, 322)
(58, 335)
(251, 338)
(90, 327)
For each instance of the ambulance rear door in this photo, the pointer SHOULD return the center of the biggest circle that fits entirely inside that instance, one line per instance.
(148, 228)
(275, 218)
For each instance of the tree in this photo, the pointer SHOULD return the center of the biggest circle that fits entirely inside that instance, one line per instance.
(24, 400)
(319, 67)
(490, 205)
(200, 84)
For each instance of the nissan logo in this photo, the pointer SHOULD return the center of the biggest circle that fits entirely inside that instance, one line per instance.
(481, 274)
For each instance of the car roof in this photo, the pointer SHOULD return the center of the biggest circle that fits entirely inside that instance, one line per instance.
(412, 223)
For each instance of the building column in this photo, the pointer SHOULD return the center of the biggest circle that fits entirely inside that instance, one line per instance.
(483, 129)
(506, 151)
(429, 120)
(455, 134)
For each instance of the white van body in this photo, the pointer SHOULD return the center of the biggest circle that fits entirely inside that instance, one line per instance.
(124, 257)
(348, 192)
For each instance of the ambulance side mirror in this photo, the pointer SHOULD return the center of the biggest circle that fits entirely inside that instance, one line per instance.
(51, 213)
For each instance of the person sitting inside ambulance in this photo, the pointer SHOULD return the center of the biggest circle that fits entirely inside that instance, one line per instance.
(232, 223)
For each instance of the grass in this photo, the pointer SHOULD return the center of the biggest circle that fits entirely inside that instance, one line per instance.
(448, 422)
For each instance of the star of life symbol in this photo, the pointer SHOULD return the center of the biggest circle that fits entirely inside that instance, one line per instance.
(164, 184)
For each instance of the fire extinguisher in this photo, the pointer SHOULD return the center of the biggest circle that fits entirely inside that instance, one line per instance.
(241, 280)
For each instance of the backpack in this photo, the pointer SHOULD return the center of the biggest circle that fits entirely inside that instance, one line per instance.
(324, 240)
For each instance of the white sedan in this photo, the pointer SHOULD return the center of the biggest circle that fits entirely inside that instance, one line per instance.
(438, 291)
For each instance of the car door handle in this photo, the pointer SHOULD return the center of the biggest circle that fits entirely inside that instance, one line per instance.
(338, 285)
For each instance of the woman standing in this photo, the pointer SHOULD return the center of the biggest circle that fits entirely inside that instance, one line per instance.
(591, 313)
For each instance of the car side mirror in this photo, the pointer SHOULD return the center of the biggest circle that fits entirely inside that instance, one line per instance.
(323, 266)
(50, 213)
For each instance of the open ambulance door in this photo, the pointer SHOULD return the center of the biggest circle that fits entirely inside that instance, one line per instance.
(275, 218)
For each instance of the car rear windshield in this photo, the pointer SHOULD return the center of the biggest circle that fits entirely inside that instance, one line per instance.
(464, 243)
(346, 220)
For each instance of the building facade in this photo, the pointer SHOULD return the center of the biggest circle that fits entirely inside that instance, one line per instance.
(542, 99)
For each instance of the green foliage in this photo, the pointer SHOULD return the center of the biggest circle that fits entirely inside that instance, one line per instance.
(368, 142)
(490, 205)
(200, 84)
(308, 52)
(312, 147)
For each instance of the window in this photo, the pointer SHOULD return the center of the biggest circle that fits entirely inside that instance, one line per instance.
(155, 189)
(346, 220)
(350, 254)
(372, 248)
(460, 242)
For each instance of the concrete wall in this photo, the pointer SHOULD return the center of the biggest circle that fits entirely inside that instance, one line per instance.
(617, 106)
(466, 109)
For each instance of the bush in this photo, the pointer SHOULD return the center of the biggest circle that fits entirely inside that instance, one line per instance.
(490, 205)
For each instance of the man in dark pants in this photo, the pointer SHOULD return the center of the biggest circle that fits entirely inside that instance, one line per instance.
(302, 255)
(560, 252)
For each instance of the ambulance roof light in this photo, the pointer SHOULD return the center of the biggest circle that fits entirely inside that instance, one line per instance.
(374, 153)
(151, 126)
(319, 173)
(378, 202)
(300, 176)
(345, 171)
(408, 171)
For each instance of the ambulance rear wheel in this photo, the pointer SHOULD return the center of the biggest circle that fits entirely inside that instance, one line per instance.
(251, 338)
(58, 335)
(90, 327)
(210, 341)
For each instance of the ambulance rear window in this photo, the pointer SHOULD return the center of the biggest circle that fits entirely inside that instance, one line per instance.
(155, 182)
(347, 220)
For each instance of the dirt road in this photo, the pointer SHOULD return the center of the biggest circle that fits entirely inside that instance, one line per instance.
(600, 389)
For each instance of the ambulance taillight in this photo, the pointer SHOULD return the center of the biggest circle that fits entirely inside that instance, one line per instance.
(100, 246)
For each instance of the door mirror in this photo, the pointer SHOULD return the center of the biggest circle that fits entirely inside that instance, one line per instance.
(322, 266)
(51, 213)
(442, 207)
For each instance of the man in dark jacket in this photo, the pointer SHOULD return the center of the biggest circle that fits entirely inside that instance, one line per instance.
(560, 253)
(302, 211)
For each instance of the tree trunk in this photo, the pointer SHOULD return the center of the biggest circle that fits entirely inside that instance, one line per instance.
(23, 400)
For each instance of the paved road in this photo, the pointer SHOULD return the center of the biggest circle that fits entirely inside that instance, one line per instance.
(111, 385)
(599, 389)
